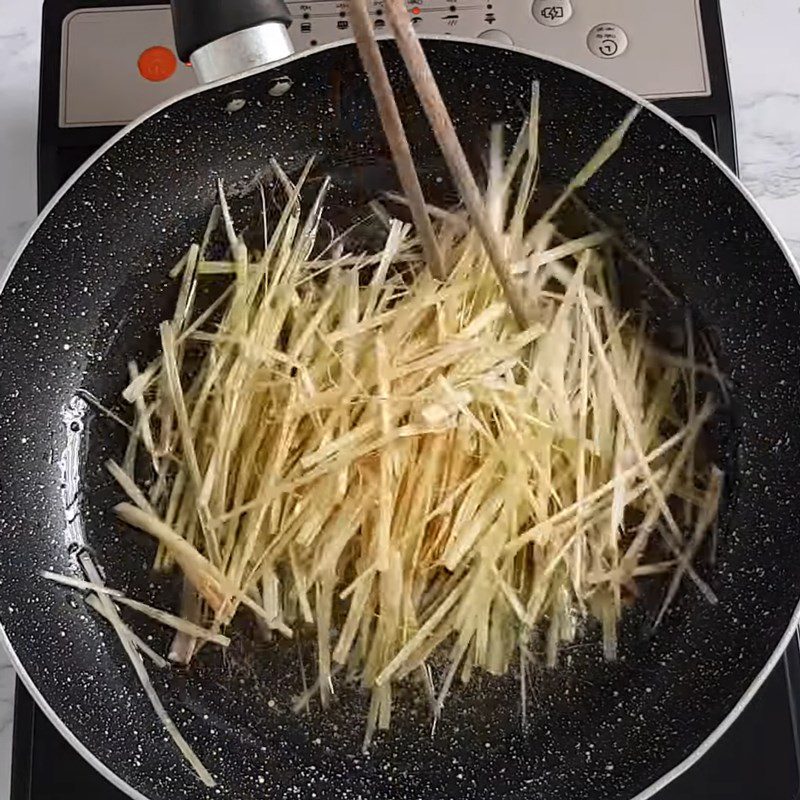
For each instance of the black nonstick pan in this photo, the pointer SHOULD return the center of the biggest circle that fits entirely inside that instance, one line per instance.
(88, 289)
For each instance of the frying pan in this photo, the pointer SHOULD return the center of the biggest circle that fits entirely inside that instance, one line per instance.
(86, 294)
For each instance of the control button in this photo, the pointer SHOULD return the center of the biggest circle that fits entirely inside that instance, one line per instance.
(495, 35)
(551, 12)
(607, 40)
(157, 64)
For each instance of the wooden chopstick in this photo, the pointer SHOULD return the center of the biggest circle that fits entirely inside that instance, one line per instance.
(395, 134)
(446, 137)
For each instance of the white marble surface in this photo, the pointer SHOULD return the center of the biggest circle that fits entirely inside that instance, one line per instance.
(765, 74)
(19, 79)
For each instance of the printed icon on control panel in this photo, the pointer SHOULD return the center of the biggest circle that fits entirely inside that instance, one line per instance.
(490, 18)
(451, 19)
(342, 24)
(552, 12)
(305, 27)
(380, 23)
(608, 47)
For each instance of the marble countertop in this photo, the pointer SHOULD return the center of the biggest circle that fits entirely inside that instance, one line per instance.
(762, 48)
(19, 79)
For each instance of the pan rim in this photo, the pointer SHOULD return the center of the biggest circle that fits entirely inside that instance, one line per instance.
(792, 628)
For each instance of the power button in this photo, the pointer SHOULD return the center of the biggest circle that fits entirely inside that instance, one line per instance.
(157, 64)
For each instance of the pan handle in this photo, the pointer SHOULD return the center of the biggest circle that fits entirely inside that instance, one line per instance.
(225, 37)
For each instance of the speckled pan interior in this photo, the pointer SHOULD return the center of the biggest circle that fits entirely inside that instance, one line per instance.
(87, 294)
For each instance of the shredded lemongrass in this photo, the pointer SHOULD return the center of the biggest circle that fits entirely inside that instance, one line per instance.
(129, 645)
(164, 617)
(393, 461)
(96, 605)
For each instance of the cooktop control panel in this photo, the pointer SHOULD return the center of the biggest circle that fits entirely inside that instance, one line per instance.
(118, 62)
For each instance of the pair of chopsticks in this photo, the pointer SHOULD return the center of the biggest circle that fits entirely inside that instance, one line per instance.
(444, 132)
